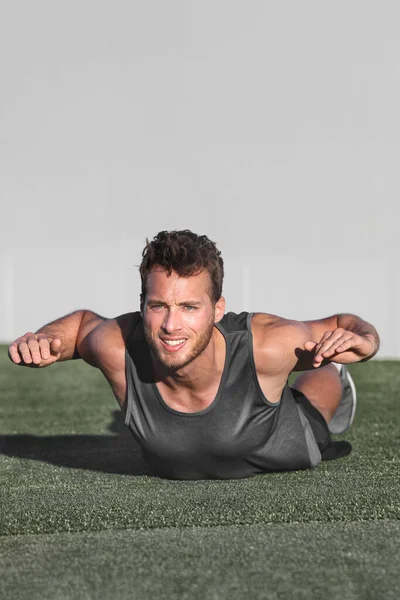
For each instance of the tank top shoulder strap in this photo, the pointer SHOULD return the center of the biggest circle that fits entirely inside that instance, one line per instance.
(236, 322)
(133, 328)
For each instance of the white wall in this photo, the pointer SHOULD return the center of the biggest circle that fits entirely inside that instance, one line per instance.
(273, 127)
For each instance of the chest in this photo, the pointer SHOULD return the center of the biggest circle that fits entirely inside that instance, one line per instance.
(188, 401)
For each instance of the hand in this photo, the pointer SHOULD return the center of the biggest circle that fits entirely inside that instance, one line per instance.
(35, 349)
(341, 346)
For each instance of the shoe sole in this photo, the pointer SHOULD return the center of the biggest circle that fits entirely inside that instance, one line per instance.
(347, 381)
(354, 393)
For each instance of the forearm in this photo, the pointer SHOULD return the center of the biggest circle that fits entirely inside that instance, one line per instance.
(58, 340)
(66, 329)
(362, 328)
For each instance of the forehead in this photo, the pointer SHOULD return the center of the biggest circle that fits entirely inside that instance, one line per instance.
(159, 283)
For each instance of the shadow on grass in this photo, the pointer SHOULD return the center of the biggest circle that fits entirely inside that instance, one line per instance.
(118, 453)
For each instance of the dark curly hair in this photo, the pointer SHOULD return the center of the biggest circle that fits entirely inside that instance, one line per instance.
(187, 254)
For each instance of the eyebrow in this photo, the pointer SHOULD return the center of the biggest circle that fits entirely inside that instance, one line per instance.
(184, 303)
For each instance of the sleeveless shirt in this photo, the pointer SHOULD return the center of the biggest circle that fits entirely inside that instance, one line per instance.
(238, 435)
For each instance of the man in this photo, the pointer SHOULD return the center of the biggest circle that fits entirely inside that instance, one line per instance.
(206, 394)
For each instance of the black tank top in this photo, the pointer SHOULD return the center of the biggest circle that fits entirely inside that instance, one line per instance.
(239, 435)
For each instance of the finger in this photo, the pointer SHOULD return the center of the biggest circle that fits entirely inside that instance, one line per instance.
(14, 354)
(34, 349)
(24, 352)
(327, 342)
(44, 347)
(336, 349)
(326, 336)
(48, 346)
(309, 346)
(331, 340)
(317, 361)
(344, 346)
(348, 340)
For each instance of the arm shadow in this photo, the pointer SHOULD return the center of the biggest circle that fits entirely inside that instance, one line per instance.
(118, 453)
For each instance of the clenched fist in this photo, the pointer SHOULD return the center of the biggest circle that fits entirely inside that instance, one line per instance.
(35, 350)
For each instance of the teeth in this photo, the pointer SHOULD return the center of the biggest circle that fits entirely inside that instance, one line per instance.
(174, 342)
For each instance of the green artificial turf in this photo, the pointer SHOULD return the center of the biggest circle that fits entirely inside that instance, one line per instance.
(81, 517)
(297, 560)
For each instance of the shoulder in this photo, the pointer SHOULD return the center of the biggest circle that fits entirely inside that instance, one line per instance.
(104, 346)
(266, 326)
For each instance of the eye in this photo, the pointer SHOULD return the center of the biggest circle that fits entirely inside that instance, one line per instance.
(190, 308)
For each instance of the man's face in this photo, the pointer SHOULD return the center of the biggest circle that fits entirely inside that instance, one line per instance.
(179, 316)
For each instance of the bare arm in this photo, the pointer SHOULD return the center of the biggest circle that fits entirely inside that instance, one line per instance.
(282, 346)
(342, 338)
(57, 341)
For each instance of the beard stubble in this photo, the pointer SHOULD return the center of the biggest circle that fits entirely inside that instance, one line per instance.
(174, 363)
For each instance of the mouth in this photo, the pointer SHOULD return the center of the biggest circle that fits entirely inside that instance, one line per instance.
(173, 345)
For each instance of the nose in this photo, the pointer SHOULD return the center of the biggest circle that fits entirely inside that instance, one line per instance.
(172, 321)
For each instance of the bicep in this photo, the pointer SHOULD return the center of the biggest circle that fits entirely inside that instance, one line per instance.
(104, 348)
(102, 344)
(87, 338)
(279, 342)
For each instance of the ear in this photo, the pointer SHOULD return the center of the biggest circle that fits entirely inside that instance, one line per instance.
(141, 304)
(219, 309)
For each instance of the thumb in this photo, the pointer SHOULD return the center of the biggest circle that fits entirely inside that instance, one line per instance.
(310, 346)
(55, 346)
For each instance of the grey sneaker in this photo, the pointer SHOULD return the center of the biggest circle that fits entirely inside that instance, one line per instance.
(344, 415)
